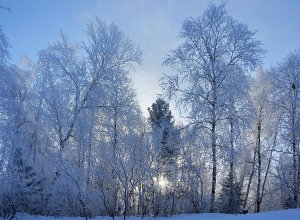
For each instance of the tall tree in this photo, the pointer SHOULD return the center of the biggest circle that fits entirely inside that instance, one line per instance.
(238, 116)
(262, 135)
(75, 85)
(111, 55)
(6, 81)
(286, 78)
(165, 138)
(212, 46)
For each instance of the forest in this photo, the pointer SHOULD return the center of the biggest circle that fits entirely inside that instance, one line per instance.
(74, 141)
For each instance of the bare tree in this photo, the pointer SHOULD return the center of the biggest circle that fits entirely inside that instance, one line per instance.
(212, 45)
(286, 79)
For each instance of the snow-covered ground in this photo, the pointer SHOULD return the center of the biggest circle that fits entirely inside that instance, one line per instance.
(290, 214)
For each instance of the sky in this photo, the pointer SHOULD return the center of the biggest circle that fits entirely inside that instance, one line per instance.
(153, 25)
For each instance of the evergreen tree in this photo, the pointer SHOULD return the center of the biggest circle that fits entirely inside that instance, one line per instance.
(162, 123)
(165, 138)
(230, 200)
(26, 185)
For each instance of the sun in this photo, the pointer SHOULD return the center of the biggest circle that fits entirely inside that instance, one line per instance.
(162, 182)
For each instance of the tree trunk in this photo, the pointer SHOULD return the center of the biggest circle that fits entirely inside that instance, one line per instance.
(250, 179)
(258, 145)
(213, 145)
(214, 162)
(231, 163)
(294, 148)
(269, 164)
(126, 198)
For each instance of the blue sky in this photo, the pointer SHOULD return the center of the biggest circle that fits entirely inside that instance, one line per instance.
(152, 24)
